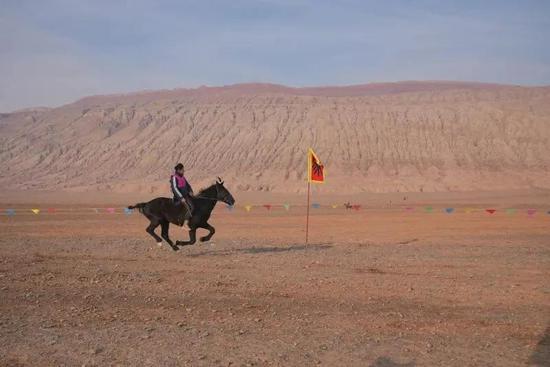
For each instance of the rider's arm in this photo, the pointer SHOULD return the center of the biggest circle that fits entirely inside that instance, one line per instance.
(175, 187)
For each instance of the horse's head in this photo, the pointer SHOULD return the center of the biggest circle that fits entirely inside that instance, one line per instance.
(223, 194)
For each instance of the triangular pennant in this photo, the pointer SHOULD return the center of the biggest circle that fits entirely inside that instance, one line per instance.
(510, 211)
(491, 211)
(469, 210)
(35, 211)
(334, 206)
(316, 205)
(531, 212)
(286, 206)
(51, 210)
(409, 209)
(267, 206)
(128, 211)
(449, 210)
(428, 209)
(10, 212)
(356, 206)
(110, 210)
(248, 207)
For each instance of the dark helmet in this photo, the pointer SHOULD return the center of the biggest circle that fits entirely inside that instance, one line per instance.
(178, 167)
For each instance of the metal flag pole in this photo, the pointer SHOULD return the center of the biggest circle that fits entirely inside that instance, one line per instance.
(307, 215)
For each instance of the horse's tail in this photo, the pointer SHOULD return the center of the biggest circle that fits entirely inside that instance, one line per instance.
(138, 206)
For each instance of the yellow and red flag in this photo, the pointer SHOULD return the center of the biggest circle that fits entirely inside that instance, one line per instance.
(315, 169)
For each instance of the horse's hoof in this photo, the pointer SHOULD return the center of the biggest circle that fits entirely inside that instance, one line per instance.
(159, 244)
(175, 248)
(203, 239)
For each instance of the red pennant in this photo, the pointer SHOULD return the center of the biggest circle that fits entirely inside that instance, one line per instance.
(490, 211)
(51, 210)
(356, 206)
(267, 206)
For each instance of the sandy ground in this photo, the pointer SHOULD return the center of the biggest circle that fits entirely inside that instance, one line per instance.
(376, 287)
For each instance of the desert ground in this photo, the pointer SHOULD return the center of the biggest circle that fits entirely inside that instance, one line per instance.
(379, 286)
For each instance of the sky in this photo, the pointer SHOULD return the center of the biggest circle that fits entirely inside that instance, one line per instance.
(54, 52)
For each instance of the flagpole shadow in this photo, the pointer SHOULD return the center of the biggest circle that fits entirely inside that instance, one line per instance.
(541, 354)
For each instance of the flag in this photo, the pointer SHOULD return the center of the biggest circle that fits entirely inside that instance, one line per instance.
(315, 170)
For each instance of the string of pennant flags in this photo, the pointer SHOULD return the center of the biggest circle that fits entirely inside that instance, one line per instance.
(285, 206)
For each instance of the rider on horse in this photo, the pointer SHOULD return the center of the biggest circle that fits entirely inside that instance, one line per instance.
(181, 188)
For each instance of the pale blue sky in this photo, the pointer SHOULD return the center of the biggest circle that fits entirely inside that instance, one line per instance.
(53, 52)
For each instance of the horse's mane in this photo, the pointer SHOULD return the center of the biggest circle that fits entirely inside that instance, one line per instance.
(206, 189)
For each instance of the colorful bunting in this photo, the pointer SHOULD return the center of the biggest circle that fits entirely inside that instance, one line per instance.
(428, 209)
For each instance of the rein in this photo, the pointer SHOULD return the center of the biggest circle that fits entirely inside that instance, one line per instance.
(211, 199)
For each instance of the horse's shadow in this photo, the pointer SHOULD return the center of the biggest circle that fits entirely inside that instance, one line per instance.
(262, 250)
(387, 362)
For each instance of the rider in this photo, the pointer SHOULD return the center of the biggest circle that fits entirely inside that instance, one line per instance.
(181, 188)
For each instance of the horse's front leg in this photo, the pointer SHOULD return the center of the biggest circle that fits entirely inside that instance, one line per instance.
(211, 230)
(192, 238)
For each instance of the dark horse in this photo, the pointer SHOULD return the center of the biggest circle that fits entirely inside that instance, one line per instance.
(163, 211)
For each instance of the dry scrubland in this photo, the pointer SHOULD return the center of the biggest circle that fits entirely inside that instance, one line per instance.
(376, 287)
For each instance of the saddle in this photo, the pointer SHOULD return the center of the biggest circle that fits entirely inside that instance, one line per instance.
(179, 212)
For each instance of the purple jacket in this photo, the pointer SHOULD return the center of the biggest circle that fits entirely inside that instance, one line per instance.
(180, 187)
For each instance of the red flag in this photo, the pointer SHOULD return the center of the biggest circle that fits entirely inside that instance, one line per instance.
(315, 169)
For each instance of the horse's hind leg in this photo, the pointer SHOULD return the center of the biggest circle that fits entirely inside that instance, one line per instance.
(164, 225)
(211, 230)
(151, 230)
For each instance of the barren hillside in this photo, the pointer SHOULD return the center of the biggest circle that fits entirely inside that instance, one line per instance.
(412, 136)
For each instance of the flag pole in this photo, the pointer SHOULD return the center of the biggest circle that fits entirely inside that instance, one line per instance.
(307, 215)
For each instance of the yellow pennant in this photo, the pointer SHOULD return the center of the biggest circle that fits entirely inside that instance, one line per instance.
(35, 211)
(248, 207)
(334, 206)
